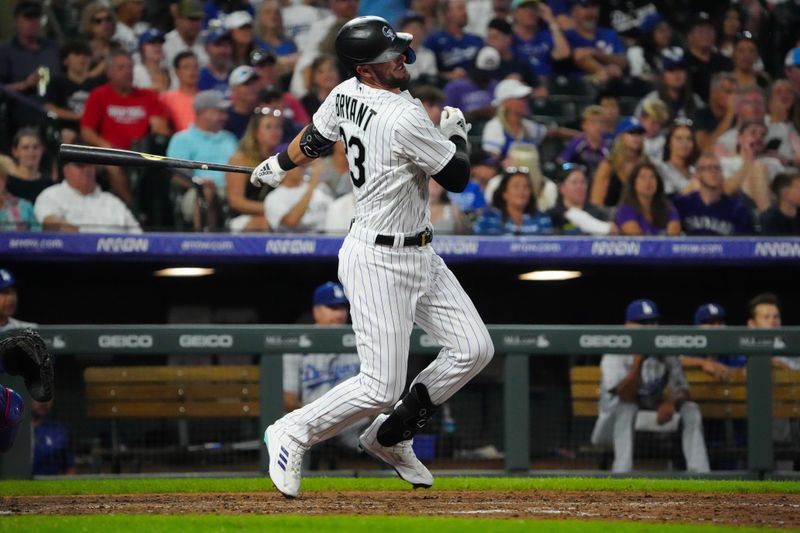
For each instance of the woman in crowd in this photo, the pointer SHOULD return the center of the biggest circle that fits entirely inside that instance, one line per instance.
(25, 178)
(673, 86)
(729, 26)
(745, 60)
(269, 28)
(261, 140)
(150, 70)
(573, 213)
(324, 77)
(514, 210)
(627, 152)
(525, 157)
(97, 27)
(680, 154)
(446, 217)
(644, 208)
(780, 112)
(243, 40)
(510, 123)
(16, 214)
(655, 37)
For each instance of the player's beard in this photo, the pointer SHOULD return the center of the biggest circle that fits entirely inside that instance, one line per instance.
(393, 80)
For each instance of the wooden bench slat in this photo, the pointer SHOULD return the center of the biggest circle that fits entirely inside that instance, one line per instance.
(585, 391)
(585, 373)
(160, 374)
(717, 391)
(172, 409)
(152, 392)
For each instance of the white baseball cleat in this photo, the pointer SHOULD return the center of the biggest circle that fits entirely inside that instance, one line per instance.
(285, 461)
(401, 456)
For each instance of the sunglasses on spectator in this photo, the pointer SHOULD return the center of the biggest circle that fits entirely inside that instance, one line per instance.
(268, 111)
(710, 168)
(745, 36)
(101, 20)
(683, 121)
(517, 170)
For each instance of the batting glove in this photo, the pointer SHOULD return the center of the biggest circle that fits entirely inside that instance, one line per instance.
(453, 123)
(269, 172)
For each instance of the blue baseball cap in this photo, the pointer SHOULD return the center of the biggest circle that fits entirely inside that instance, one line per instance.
(709, 313)
(629, 125)
(152, 35)
(330, 294)
(6, 279)
(217, 35)
(673, 58)
(641, 310)
(650, 22)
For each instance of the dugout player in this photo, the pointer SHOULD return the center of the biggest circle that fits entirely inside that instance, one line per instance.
(391, 275)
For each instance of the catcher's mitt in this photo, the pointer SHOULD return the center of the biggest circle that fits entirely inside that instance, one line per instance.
(24, 353)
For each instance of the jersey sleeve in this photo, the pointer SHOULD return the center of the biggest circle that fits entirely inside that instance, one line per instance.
(417, 139)
(325, 119)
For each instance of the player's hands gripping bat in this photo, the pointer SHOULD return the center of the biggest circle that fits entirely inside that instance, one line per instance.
(269, 172)
(25, 354)
(453, 123)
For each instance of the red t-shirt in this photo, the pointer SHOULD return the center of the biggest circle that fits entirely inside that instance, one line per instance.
(121, 119)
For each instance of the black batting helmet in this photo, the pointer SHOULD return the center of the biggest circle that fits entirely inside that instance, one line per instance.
(370, 40)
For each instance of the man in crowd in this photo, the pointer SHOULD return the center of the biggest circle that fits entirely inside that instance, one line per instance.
(708, 210)
(243, 82)
(639, 381)
(718, 117)
(220, 54)
(539, 47)
(178, 102)
(454, 48)
(702, 59)
(129, 15)
(27, 62)
(78, 204)
(783, 218)
(188, 17)
(596, 51)
(205, 140)
(117, 114)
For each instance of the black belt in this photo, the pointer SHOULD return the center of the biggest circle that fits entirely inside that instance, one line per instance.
(423, 238)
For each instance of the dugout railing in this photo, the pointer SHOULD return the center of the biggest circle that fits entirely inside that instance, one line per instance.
(515, 344)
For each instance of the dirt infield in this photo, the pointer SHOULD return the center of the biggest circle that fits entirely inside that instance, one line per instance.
(774, 510)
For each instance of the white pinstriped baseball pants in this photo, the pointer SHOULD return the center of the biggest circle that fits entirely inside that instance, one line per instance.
(389, 289)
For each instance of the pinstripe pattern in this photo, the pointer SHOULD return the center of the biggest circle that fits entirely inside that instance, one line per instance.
(390, 288)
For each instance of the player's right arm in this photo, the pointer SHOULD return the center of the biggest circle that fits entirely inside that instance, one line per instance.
(304, 148)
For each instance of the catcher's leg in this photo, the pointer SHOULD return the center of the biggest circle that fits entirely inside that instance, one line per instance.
(12, 410)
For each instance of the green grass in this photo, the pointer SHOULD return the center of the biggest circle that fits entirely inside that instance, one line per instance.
(351, 524)
(312, 484)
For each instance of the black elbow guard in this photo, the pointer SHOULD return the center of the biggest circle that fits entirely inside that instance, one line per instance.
(455, 174)
(312, 143)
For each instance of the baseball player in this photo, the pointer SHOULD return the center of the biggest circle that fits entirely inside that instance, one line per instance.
(22, 353)
(632, 382)
(391, 275)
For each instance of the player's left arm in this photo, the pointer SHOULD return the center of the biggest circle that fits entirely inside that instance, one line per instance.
(454, 176)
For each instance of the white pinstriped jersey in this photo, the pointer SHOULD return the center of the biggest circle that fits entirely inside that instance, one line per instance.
(392, 148)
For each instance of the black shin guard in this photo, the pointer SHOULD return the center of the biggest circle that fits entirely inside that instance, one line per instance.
(408, 418)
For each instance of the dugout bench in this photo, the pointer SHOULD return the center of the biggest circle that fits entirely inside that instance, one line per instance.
(721, 401)
(178, 393)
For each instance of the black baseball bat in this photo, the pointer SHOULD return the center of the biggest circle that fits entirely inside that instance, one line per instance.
(76, 153)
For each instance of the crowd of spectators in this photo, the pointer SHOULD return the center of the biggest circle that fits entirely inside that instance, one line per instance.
(645, 117)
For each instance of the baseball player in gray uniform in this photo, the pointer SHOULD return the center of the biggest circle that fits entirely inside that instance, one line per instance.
(390, 273)
(629, 383)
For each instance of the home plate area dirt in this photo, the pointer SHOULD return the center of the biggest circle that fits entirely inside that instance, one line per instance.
(774, 510)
